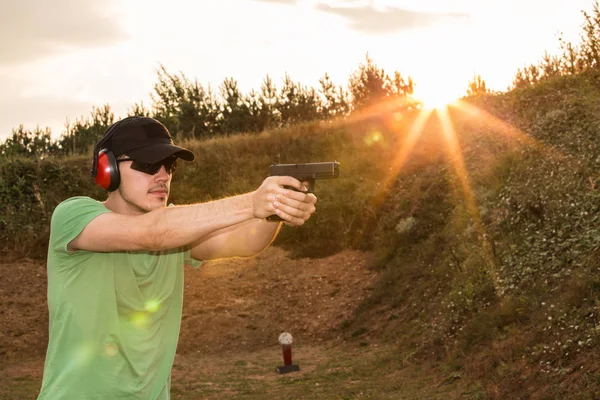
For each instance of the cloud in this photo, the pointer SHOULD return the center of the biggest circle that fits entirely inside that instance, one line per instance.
(51, 112)
(43, 110)
(369, 19)
(48, 112)
(32, 29)
(285, 2)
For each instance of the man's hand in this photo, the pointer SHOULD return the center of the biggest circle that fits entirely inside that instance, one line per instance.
(295, 208)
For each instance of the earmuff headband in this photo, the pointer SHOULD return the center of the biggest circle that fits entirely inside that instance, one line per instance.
(107, 135)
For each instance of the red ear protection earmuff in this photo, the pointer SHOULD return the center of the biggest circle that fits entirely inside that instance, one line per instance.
(105, 169)
(107, 174)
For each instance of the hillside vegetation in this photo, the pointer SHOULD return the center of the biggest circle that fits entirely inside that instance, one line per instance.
(497, 278)
(485, 229)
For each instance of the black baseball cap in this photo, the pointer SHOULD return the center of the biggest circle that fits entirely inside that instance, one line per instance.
(143, 139)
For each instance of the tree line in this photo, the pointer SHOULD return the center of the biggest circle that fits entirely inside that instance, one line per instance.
(192, 111)
(574, 58)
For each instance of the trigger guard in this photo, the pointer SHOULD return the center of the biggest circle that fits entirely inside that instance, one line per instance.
(296, 190)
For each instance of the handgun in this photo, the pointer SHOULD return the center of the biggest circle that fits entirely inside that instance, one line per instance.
(307, 172)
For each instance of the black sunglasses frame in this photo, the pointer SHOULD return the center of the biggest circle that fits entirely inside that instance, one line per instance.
(170, 164)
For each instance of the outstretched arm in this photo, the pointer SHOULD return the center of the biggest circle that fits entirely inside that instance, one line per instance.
(178, 226)
(249, 238)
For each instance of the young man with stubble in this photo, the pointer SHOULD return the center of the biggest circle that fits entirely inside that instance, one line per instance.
(115, 267)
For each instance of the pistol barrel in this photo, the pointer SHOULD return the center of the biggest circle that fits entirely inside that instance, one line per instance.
(319, 170)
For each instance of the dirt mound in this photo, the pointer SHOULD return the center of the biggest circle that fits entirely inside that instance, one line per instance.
(236, 304)
(244, 304)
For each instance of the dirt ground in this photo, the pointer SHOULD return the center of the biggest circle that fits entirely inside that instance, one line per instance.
(231, 307)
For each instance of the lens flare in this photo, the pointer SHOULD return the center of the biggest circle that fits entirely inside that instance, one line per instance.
(140, 319)
(373, 138)
(152, 306)
(111, 349)
(81, 356)
(405, 149)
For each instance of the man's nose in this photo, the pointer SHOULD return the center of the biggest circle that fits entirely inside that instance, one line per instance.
(162, 174)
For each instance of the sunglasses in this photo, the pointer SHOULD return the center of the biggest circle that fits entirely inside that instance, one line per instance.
(170, 164)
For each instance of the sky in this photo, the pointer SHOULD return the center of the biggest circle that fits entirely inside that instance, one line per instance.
(61, 58)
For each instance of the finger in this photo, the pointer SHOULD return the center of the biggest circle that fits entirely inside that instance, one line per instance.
(307, 203)
(307, 207)
(292, 199)
(289, 219)
(292, 211)
(289, 181)
(273, 191)
(309, 198)
(284, 200)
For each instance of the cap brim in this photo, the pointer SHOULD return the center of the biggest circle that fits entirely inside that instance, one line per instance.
(158, 152)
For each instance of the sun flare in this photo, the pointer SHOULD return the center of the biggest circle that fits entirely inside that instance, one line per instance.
(436, 97)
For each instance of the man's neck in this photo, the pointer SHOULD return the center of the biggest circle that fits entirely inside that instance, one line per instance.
(119, 205)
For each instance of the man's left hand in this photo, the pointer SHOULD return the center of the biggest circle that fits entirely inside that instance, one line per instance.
(295, 208)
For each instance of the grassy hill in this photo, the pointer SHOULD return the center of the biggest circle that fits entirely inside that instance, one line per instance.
(483, 221)
(503, 286)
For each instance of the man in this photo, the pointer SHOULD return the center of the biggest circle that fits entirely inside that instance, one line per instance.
(115, 268)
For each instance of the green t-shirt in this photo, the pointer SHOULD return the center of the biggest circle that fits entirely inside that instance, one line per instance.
(114, 317)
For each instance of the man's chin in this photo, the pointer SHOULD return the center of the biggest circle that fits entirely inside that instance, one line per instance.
(156, 204)
(163, 204)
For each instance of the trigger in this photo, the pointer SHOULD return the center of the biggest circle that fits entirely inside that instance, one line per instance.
(296, 190)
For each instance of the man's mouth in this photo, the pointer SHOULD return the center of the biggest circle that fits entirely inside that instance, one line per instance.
(159, 192)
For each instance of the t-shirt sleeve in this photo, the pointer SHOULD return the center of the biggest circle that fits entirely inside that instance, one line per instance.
(189, 260)
(70, 218)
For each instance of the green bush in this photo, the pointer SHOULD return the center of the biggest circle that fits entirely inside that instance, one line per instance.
(224, 167)
(29, 191)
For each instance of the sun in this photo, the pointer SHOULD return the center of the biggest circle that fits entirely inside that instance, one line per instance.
(436, 97)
